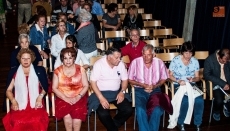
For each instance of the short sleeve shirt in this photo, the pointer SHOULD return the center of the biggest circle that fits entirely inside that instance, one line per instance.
(111, 21)
(108, 78)
(181, 71)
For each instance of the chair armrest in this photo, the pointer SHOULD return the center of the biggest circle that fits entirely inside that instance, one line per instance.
(204, 88)
(47, 104)
(211, 90)
(7, 105)
(53, 103)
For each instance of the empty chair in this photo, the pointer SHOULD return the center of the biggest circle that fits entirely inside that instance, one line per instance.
(110, 1)
(155, 43)
(164, 33)
(173, 43)
(113, 34)
(128, 1)
(144, 33)
(122, 17)
(153, 24)
(121, 11)
(147, 16)
(141, 10)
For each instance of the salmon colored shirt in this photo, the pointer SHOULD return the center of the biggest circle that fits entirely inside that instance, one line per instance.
(70, 86)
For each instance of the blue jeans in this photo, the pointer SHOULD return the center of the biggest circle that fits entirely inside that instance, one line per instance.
(146, 124)
(197, 109)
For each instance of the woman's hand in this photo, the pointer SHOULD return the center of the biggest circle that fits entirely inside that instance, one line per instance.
(38, 103)
(75, 99)
(181, 82)
(14, 105)
(45, 56)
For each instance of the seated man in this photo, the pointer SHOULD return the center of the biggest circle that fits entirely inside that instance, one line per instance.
(217, 70)
(64, 8)
(107, 76)
(147, 74)
(134, 48)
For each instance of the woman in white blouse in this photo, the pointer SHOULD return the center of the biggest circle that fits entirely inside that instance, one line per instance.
(80, 59)
(58, 40)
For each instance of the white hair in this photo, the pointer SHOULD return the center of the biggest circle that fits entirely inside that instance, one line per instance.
(21, 36)
(84, 15)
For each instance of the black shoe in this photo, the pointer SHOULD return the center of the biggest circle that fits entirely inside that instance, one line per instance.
(198, 128)
(181, 127)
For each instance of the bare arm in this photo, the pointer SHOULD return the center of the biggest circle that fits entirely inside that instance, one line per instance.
(10, 96)
(104, 23)
(120, 95)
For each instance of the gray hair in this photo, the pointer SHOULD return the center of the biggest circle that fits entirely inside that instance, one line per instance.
(134, 30)
(84, 16)
(148, 47)
(21, 36)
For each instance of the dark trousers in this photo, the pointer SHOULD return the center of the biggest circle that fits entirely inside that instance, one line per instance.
(112, 124)
(219, 97)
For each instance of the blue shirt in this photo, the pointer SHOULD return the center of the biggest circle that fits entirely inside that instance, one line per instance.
(181, 71)
(97, 9)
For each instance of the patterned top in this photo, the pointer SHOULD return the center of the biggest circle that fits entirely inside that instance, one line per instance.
(140, 73)
(181, 71)
(70, 86)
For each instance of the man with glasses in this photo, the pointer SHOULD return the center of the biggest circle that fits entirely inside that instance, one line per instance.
(64, 8)
(134, 48)
(108, 74)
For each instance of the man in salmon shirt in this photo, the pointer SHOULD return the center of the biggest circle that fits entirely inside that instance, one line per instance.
(134, 48)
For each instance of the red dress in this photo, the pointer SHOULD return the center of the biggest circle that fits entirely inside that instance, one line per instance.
(70, 87)
(30, 119)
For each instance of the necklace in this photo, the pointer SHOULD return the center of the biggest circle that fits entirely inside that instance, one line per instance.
(133, 19)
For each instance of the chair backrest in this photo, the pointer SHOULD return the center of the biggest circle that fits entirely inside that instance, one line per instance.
(103, 6)
(163, 33)
(128, 1)
(141, 10)
(94, 59)
(155, 43)
(101, 46)
(127, 5)
(122, 11)
(114, 34)
(122, 17)
(173, 42)
(105, 10)
(120, 6)
(144, 33)
(166, 57)
(201, 55)
(110, 1)
(99, 17)
(147, 16)
(152, 23)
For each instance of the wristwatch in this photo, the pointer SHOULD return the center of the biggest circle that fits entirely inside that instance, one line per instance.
(123, 91)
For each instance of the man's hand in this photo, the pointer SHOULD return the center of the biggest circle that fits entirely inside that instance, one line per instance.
(120, 97)
(226, 87)
(104, 102)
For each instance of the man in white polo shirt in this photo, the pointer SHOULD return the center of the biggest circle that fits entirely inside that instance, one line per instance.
(109, 81)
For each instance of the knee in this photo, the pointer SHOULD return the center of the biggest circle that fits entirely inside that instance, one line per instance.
(140, 111)
(103, 114)
(129, 110)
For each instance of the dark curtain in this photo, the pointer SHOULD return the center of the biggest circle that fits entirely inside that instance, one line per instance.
(170, 12)
(211, 33)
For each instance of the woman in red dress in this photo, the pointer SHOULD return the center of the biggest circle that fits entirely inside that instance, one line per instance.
(27, 85)
(70, 85)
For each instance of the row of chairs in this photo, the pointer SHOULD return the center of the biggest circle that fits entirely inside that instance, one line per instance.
(124, 5)
(123, 1)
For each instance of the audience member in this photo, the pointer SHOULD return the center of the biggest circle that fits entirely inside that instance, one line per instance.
(70, 85)
(24, 9)
(108, 74)
(132, 20)
(96, 8)
(80, 3)
(71, 42)
(24, 43)
(39, 10)
(75, 5)
(185, 68)
(26, 87)
(23, 29)
(3, 11)
(86, 35)
(44, 4)
(134, 48)
(217, 70)
(58, 40)
(147, 74)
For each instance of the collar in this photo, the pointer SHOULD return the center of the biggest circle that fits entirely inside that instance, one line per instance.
(134, 45)
(38, 28)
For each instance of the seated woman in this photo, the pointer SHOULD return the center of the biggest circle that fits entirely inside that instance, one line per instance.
(132, 20)
(26, 86)
(39, 34)
(24, 43)
(111, 21)
(58, 40)
(70, 85)
(71, 42)
(86, 35)
(185, 68)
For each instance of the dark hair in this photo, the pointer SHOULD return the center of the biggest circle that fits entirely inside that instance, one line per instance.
(188, 46)
(41, 10)
(90, 6)
(111, 7)
(111, 50)
(223, 52)
(73, 39)
(71, 50)
(39, 16)
(28, 51)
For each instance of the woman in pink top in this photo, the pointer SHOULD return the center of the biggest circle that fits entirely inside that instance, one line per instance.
(70, 86)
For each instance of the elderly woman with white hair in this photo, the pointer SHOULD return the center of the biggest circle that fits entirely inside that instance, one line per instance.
(86, 34)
